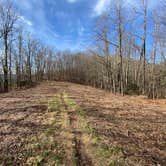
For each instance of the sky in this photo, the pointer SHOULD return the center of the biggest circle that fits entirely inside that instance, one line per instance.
(63, 24)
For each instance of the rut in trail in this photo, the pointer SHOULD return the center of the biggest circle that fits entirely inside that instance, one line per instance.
(80, 155)
(82, 158)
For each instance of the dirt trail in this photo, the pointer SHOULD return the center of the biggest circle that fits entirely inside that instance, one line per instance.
(82, 158)
(75, 134)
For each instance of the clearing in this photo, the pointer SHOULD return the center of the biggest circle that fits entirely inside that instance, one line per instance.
(60, 123)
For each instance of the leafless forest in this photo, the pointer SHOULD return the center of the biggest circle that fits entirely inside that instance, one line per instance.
(102, 106)
(124, 61)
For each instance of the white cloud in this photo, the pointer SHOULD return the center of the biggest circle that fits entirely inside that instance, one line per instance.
(26, 21)
(101, 6)
(71, 1)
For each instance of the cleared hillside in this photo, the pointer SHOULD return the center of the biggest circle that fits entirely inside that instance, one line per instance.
(59, 123)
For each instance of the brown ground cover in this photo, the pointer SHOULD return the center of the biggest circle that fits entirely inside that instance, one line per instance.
(97, 128)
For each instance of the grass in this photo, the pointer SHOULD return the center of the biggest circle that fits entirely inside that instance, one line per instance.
(43, 149)
(70, 102)
(54, 104)
(100, 150)
(107, 150)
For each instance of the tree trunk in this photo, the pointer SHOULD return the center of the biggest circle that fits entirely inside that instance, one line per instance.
(144, 45)
(10, 66)
(6, 64)
(120, 51)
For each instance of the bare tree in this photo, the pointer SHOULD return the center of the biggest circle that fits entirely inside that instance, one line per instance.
(7, 20)
(120, 35)
(19, 58)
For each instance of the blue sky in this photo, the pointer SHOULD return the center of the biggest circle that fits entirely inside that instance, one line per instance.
(63, 24)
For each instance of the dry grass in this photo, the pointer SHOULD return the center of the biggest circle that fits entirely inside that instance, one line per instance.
(59, 123)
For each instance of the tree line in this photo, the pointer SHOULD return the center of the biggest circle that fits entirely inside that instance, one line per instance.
(129, 55)
(132, 40)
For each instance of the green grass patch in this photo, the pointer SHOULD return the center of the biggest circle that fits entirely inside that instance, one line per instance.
(43, 149)
(54, 104)
(107, 151)
(113, 163)
(96, 140)
(70, 102)
(81, 112)
(86, 127)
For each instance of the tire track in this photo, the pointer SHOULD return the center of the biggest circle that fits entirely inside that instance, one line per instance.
(82, 158)
(80, 155)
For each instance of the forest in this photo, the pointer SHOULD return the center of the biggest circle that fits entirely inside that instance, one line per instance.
(126, 59)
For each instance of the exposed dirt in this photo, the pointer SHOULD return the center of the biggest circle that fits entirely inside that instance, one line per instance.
(135, 124)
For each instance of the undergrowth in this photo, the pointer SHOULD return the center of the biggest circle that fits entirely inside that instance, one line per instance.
(43, 149)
